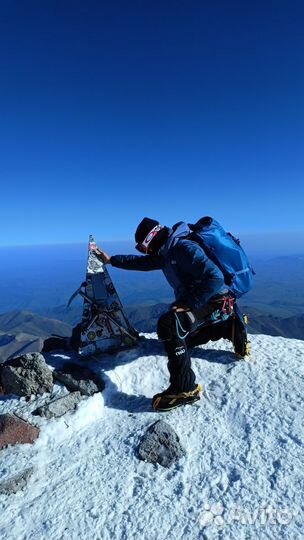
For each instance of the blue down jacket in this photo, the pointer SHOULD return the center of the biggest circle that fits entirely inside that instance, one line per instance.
(193, 276)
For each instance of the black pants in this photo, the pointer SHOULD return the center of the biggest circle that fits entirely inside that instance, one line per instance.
(180, 332)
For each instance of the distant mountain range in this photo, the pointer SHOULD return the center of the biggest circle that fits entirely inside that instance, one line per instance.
(145, 319)
(40, 278)
(23, 331)
(289, 327)
(32, 324)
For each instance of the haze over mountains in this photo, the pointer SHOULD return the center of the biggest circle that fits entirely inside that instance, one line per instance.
(40, 280)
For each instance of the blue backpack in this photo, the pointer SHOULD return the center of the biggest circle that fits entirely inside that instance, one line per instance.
(226, 252)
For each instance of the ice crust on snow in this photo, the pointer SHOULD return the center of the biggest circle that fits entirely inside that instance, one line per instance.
(243, 469)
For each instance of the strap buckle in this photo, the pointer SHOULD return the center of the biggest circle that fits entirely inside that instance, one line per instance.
(228, 303)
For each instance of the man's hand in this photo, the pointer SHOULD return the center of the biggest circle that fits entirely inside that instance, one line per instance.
(102, 255)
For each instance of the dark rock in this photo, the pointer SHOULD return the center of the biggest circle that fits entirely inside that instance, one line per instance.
(85, 387)
(26, 375)
(15, 483)
(55, 343)
(161, 444)
(58, 407)
(79, 378)
(13, 430)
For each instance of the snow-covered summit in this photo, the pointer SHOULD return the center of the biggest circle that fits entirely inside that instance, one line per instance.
(242, 476)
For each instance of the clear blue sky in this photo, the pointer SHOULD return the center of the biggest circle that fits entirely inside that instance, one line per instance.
(113, 110)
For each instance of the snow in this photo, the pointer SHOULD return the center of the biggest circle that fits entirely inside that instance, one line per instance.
(242, 477)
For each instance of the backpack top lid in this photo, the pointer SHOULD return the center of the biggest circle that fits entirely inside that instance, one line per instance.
(202, 222)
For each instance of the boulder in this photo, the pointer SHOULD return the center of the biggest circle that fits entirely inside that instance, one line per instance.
(13, 431)
(26, 375)
(15, 483)
(78, 378)
(161, 444)
(58, 407)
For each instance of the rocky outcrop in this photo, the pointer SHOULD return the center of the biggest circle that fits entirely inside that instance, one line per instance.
(26, 375)
(161, 444)
(13, 431)
(15, 483)
(58, 407)
(78, 378)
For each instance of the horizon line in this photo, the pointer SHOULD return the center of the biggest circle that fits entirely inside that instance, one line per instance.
(83, 242)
